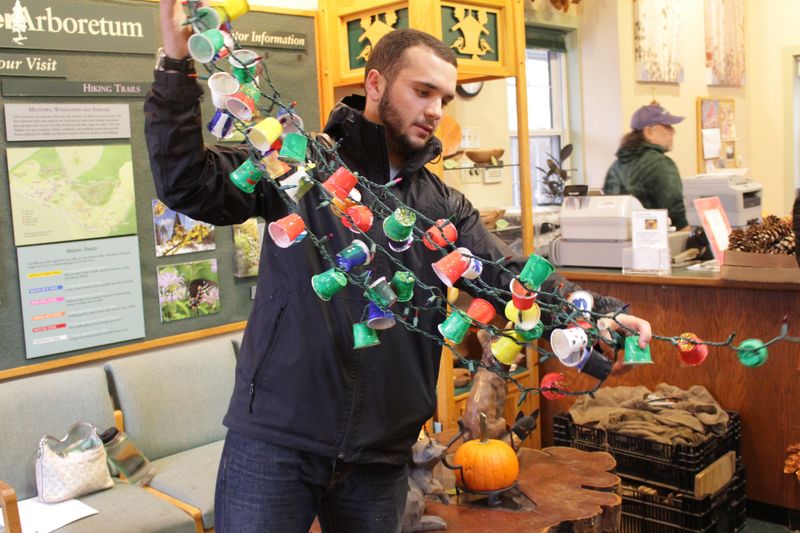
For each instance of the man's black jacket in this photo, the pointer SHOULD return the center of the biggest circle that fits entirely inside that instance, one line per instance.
(299, 382)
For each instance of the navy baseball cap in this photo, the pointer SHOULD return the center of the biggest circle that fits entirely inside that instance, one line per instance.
(650, 115)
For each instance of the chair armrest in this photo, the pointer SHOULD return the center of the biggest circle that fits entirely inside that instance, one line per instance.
(8, 500)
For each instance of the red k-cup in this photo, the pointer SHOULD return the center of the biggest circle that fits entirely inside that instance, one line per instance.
(481, 311)
(451, 267)
(362, 218)
(241, 106)
(340, 183)
(286, 230)
(690, 353)
(436, 234)
(553, 380)
(523, 298)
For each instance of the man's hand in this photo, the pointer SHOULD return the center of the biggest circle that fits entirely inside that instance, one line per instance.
(642, 327)
(176, 37)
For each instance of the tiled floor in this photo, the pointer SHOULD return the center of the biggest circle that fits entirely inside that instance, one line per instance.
(757, 526)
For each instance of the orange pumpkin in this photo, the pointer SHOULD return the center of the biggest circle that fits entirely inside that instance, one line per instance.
(486, 464)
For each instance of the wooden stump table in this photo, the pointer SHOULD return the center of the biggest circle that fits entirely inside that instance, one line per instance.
(571, 490)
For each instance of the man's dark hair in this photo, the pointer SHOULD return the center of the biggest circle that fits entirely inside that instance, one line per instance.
(387, 54)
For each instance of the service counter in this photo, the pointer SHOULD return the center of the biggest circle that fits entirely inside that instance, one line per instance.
(768, 397)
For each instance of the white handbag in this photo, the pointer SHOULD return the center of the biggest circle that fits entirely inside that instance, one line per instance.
(73, 466)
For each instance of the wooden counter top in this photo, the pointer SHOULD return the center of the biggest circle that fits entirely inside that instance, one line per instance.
(679, 277)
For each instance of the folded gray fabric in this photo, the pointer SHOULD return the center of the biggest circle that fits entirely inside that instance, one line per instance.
(668, 415)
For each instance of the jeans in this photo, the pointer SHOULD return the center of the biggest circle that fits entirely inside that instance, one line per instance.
(267, 488)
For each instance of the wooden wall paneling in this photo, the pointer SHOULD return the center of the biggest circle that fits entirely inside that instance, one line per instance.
(765, 396)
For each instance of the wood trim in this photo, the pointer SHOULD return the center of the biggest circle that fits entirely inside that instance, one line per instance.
(121, 350)
(445, 400)
(713, 282)
(353, 7)
(699, 135)
(192, 511)
(518, 54)
(8, 500)
(322, 97)
(119, 420)
(284, 11)
(268, 9)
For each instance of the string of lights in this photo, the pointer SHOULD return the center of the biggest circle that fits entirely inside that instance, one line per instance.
(320, 168)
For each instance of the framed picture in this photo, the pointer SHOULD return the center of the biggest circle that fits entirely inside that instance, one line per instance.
(657, 41)
(725, 42)
(715, 224)
(716, 134)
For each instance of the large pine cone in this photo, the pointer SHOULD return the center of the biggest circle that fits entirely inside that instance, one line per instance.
(772, 236)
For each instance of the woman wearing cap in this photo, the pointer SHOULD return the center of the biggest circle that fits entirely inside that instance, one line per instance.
(642, 168)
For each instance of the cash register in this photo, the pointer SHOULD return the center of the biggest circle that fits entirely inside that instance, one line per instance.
(740, 196)
(596, 229)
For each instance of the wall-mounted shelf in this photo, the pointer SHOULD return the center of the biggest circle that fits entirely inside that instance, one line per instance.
(481, 166)
(507, 228)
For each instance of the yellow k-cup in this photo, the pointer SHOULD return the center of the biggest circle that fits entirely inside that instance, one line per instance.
(233, 8)
(266, 132)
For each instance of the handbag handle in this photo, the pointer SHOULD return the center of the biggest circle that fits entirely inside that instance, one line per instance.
(80, 437)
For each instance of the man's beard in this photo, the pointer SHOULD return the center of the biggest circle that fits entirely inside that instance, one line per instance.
(392, 121)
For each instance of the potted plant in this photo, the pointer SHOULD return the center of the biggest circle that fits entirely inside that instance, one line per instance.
(555, 177)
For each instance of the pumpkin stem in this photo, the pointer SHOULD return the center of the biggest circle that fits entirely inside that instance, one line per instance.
(483, 428)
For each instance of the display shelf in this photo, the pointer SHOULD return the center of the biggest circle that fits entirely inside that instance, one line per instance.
(481, 166)
(507, 228)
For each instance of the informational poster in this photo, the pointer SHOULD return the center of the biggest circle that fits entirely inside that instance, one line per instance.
(66, 193)
(176, 233)
(650, 241)
(247, 239)
(64, 122)
(80, 294)
(187, 290)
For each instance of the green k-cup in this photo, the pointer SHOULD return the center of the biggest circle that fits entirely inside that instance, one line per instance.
(399, 225)
(364, 336)
(752, 353)
(634, 355)
(243, 65)
(380, 292)
(205, 46)
(293, 149)
(247, 175)
(532, 334)
(535, 271)
(403, 285)
(250, 89)
(455, 326)
(328, 283)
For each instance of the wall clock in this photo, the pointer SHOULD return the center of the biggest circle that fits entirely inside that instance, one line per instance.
(469, 89)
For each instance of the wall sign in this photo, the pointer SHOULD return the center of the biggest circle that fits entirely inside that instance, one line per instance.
(32, 65)
(44, 122)
(80, 294)
(75, 88)
(60, 25)
(272, 39)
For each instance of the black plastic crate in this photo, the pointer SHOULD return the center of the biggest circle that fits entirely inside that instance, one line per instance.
(643, 469)
(647, 509)
(673, 466)
(697, 457)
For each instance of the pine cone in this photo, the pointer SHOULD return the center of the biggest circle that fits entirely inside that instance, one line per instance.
(772, 236)
(792, 463)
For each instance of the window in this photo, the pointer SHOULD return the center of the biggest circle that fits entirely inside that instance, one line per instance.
(547, 116)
